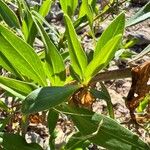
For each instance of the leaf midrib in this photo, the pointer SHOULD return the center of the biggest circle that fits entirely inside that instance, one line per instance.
(24, 59)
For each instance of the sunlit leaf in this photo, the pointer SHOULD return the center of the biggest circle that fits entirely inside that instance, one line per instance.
(86, 10)
(45, 7)
(69, 6)
(115, 28)
(21, 87)
(103, 58)
(53, 59)
(8, 15)
(77, 55)
(21, 56)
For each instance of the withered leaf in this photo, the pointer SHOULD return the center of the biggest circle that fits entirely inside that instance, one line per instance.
(139, 87)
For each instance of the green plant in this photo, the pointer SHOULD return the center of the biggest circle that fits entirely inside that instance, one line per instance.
(42, 84)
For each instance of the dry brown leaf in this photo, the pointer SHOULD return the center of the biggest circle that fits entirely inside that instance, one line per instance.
(139, 87)
(82, 98)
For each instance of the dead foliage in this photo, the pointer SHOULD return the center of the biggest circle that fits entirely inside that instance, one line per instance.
(139, 87)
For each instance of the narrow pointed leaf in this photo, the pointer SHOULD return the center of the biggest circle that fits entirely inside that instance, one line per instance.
(104, 131)
(12, 91)
(53, 59)
(45, 7)
(22, 56)
(47, 97)
(52, 119)
(3, 106)
(115, 28)
(5, 63)
(8, 15)
(145, 51)
(86, 10)
(141, 15)
(77, 55)
(102, 59)
(69, 6)
(21, 87)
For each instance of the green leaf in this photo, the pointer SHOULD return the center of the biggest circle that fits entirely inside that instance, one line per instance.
(104, 131)
(104, 94)
(76, 143)
(52, 122)
(42, 19)
(144, 103)
(115, 28)
(47, 97)
(5, 63)
(22, 56)
(53, 59)
(52, 119)
(102, 59)
(141, 15)
(45, 7)
(23, 88)
(8, 15)
(3, 123)
(13, 92)
(86, 10)
(77, 55)
(69, 6)
(28, 28)
(3, 106)
(15, 142)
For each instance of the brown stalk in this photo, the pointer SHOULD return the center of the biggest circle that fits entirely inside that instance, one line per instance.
(111, 75)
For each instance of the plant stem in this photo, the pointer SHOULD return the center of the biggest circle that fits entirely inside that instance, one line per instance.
(111, 75)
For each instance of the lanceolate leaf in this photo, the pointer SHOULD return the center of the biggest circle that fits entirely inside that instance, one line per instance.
(54, 60)
(115, 28)
(104, 131)
(5, 63)
(45, 7)
(16, 142)
(86, 10)
(102, 58)
(69, 6)
(8, 15)
(47, 97)
(52, 119)
(77, 55)
(22, 56)
(12, 91)
(21, 87)
(141, 15)
(28, 26)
